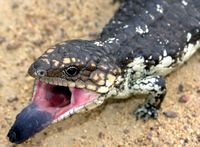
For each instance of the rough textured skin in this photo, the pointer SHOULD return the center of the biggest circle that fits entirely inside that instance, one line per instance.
(94, 64)
(144, 41)
(148, 28)
(155, 35)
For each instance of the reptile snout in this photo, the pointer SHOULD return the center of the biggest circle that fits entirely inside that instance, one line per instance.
(39, 68)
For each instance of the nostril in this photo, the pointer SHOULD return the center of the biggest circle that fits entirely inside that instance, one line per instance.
(41, 73)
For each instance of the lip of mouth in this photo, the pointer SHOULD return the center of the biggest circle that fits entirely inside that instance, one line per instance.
(61, 101)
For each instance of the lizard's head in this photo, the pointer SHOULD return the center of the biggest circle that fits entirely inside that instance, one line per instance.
(70, 77)
(80, 64)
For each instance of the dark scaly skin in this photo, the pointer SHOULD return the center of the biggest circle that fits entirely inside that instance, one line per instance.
(167, 31)
(170, 28)
(89, 58)
(144, 41)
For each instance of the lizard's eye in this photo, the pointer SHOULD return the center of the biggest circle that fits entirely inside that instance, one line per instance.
(41, 73)
(71, 71)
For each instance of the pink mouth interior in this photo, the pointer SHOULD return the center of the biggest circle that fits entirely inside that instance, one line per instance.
(58, 100)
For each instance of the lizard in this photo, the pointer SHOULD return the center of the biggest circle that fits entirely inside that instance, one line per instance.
(142, 43)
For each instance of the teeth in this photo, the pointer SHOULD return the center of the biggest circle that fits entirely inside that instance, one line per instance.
(47, 81)
(54, 82)
(59, 81)
(80, 109)
(65, 83)
(71, 84)
(62, 82)
(43, 80)
(50, 80)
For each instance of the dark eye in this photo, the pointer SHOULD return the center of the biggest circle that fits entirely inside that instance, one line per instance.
(71, 71)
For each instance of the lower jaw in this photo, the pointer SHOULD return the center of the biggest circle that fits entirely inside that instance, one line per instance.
(51, 99)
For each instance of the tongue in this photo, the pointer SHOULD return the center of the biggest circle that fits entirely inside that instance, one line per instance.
(28, 122)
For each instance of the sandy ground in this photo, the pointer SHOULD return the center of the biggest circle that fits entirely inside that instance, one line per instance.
(27, 28)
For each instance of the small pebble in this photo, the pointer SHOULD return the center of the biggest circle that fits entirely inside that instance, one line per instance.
(180, 88)
(2, 39)
(149, 135)
(126, 131)
(59, 129)
(3, 126)
(183, 99)
(101, 135)
(60, 10)
(45, 133)
(38, 42)
(39, 142)
(186, 140)
(83, 137)
(194, 114)
(198, 91)
(13, 46)
(15, 5)
(186, 127)
(12, 99)
(198, 138)
(170, 114)
(14, 108)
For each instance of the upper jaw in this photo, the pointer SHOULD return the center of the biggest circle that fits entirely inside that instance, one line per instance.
(56, 81)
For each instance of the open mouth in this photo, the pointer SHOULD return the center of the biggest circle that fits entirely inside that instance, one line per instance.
(61, 101)
(50, 103)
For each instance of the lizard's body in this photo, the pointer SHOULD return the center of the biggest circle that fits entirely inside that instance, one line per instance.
(144, 41)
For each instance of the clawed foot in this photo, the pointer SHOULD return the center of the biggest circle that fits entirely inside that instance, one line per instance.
(146, 113)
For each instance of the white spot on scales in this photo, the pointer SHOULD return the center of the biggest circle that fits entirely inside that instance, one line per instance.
(98, 43)
(184, 2)
(159, 8)
(189, 36)
(126, 26)
(111, 40)
(141, 30)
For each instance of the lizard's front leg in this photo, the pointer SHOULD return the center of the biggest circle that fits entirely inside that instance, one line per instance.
(154, 87)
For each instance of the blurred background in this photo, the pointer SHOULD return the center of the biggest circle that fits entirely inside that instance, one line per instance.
(28, 28)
